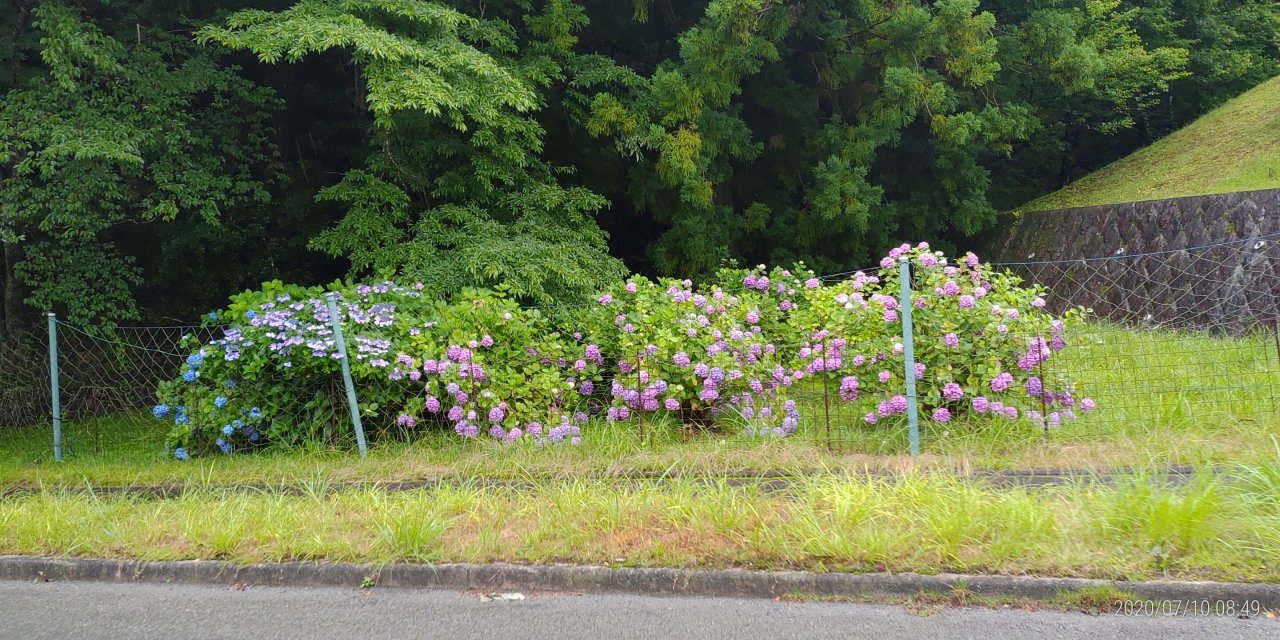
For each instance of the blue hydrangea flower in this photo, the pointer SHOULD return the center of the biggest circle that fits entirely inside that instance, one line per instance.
(231, 384)
(181, 418)
(224, 445)
(220, 402)
(160, 410)
(189, 375)
(213, 317)
(255, 413)
(195, 360)
(250, 314)
(237, 423)
(228, 429)
(181, 454)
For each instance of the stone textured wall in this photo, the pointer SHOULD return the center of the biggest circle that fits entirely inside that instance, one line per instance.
(1202, 261)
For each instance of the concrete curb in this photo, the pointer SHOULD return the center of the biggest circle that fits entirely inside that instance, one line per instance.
(585, 579)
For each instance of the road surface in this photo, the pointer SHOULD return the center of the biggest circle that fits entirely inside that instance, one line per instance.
(141, 611)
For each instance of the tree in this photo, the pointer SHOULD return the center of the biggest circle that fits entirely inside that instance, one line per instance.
(112, 136)
(454, 192)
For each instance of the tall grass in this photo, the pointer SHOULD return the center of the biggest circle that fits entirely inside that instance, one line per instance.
(1217, 528)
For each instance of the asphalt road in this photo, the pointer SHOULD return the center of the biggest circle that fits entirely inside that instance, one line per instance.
(139, 611)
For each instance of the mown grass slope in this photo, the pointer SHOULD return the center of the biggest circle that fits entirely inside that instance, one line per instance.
(1235, 147)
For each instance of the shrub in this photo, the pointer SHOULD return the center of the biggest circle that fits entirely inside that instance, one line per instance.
(734, 349)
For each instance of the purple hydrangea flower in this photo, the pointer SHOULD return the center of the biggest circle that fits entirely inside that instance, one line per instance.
(952, 391)
(849, 388)
(951, 340)
(1001, 382)
(980, 404)
(1087, 405)
(406, 420)
(1034, 387)
(941, 414)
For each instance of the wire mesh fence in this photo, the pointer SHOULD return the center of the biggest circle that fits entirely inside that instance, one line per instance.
(1161, 339)
(24, 381)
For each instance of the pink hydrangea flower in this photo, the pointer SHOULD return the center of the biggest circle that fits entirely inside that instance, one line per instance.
(952, 391)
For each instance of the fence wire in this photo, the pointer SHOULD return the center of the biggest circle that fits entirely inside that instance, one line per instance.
(1171, 338)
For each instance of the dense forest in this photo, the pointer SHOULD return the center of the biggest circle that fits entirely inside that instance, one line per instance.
(156, 156)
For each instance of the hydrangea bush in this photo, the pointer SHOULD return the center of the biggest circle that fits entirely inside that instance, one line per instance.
(480, 364)
(979, 338)
(697, 353)
(741, 350)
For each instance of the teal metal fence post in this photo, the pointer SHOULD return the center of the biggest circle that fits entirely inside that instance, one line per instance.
(53, 387)
(336, 321)
(909, 353)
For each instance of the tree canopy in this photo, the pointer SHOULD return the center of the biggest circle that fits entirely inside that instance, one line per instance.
(156, 157)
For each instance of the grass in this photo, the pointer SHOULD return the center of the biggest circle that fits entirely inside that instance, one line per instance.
(1165, 399)
(1235, 147)
(1215, 528)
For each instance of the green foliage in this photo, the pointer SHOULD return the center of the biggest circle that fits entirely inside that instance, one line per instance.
(533, 144)
(731, 352)
(455, 193)
(117, 137)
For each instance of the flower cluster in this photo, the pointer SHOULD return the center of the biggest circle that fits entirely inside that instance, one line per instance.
(734, 352)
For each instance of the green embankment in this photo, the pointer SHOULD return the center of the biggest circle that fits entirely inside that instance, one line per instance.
(1235, 147)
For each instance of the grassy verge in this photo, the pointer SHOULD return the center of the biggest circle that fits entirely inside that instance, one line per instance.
(1235, 147)
(1215, 528)
(133, 455)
